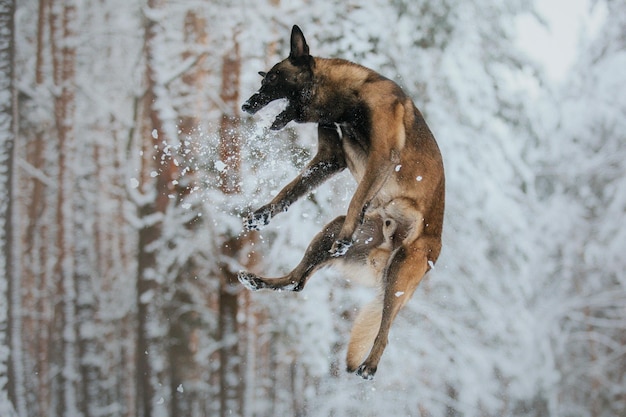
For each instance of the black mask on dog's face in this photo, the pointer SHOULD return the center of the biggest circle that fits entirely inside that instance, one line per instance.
(289, 79)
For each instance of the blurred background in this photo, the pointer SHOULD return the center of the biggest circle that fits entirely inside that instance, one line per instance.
(127, 166)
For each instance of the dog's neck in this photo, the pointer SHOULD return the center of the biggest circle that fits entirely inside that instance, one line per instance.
(335, 71)
(330, 76)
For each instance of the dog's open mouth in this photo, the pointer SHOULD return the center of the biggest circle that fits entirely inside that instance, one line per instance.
(258, 102)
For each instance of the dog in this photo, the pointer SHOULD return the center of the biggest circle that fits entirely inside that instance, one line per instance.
(391, 233)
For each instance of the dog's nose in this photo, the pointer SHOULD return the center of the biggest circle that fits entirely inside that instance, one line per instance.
(246, 107)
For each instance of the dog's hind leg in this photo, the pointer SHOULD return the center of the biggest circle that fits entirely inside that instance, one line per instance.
(406, 270)
(316, 256)
(364, 332)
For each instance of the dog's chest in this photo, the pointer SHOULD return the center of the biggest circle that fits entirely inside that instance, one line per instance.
(356, 159)
(355, 153)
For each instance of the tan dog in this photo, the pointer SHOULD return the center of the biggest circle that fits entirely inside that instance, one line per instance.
(392, 230)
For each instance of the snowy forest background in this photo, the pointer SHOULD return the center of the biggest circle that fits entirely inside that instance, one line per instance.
(126, 167)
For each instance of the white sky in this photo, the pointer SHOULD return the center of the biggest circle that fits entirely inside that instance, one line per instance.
(555, 45)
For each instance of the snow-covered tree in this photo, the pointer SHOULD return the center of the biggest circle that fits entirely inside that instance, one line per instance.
(582, 184)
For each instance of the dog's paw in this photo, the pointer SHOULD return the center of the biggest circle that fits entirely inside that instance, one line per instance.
(258, 219)
(366, 372)
(340, 247)
(250, 281)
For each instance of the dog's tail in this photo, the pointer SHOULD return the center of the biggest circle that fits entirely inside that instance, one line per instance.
(364, 332)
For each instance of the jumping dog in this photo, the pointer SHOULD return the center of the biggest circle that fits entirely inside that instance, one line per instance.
(391, 232)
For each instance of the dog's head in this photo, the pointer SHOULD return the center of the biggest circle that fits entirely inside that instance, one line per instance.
(290, 79)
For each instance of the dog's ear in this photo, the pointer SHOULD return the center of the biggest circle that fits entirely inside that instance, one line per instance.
(299, 48)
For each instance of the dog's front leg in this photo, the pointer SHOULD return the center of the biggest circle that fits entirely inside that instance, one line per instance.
(328, 161)
(377, 172)
(387, 139)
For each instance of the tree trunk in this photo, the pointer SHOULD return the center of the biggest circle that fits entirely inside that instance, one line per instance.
(186, 374)
(89, 353)
(8, 280)
(158, 172)
(62, 20)
(34, 243)
(231, 368)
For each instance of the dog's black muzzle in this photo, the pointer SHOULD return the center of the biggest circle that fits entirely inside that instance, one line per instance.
(255, 103)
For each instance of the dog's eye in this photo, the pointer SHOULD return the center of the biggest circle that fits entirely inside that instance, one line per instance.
(271, 77)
